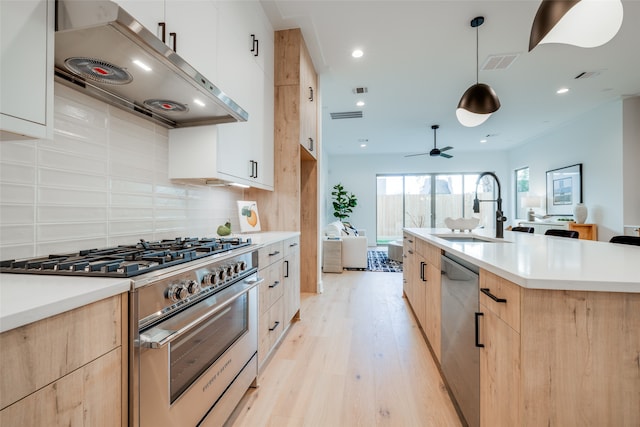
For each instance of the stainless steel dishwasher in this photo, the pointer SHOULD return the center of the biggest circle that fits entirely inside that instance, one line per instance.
(460, 357)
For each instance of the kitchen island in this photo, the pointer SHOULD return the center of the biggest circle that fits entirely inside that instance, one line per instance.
(557, 328)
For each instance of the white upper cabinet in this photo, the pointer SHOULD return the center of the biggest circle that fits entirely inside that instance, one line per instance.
(187, 26)
(26, 69)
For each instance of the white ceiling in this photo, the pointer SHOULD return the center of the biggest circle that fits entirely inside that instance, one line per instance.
(420, 57)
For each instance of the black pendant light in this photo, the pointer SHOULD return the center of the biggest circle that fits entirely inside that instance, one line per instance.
(480, 100)
(582, 23)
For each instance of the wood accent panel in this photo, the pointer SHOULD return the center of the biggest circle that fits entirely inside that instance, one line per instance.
(502, 288)
(88, 396)
(35, 355)
(309, 240)
(581, 358)
(587, 231)
(293, 205)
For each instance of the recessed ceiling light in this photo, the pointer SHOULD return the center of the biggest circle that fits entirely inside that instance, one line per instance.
(360, 103)
(363, 145)
(483, 141)
(142, 65)
(562, 90)
(198, 102)
(357, 53)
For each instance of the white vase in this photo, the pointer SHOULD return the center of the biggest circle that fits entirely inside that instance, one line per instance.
(580, 213)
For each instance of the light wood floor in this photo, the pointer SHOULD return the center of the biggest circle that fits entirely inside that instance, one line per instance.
(356, 358)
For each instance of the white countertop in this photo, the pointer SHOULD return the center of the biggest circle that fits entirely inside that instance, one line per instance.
(544, 262)
(26, 298)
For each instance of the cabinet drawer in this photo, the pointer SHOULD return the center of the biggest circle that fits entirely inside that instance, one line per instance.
(270, 254)
(429, 252)
(408, 243)
(506, 304)
(272, 288)
(271, 326)
(291, 245)
(37, 354)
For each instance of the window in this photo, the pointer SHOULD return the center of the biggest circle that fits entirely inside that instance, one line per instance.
(424, 201)
(522, 190)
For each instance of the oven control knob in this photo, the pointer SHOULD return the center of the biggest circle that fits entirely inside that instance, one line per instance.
(222, 274)
(242, 266)
(230, 272)
(193, 287)
(176, 292)
(211, 278)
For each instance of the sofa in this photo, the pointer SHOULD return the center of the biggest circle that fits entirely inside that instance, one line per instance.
(353, 247)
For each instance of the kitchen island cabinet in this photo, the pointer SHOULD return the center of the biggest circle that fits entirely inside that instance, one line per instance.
(69, 369)
(561, 340)
(26, 105)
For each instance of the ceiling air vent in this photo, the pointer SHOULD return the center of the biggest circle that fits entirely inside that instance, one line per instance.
(499, 62)
(347, 115)
(359, 90)
(587, 75)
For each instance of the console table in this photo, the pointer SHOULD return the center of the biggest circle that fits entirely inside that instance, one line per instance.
(587, 231)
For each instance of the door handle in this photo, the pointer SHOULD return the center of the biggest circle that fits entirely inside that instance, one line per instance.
(275, 325)
(488, 293)
(286, 274)
(478, 330)
(163, 31)
(423, 276)
(175, 41)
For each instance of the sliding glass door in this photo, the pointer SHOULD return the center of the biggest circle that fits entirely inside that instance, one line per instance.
(424, 201)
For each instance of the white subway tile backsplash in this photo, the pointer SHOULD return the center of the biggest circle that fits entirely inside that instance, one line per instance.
(16, 193)
(17, 173)
(68, 179)
(130, 227)
(57, 214)
(73, 197)
(73, 231)
(16, 234)
(18, 152)
(17, 214)
(120, 213)
(102, 181)
(130, 200)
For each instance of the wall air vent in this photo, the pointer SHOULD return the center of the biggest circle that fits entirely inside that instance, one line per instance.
(499, 62)
(359, 90)
(587, 75)
(347, 115)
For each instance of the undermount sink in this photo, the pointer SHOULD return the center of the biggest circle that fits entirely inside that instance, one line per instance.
(469, 239)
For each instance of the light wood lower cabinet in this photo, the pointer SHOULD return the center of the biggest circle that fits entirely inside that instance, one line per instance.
(422, 287)
(558, 358)
(278, 294)
(66, 370)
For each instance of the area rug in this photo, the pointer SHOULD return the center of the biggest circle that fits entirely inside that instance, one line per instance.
(379, 261)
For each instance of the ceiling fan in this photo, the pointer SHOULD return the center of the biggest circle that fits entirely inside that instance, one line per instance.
(436, 151)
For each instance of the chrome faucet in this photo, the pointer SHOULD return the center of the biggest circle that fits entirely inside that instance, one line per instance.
(500, 218)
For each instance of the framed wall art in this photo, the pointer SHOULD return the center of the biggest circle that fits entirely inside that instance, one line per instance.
(248, 216)
(564, 189)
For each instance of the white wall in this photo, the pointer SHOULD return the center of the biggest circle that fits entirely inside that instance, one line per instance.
(631, 161)
(101, 181)
(358, 175)
(595, 140)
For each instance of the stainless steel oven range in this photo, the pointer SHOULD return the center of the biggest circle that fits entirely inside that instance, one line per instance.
(193, 340)
(193, 334)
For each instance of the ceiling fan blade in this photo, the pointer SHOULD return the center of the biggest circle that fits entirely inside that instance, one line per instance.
(446, 148)
(446, 156)
(419, 154)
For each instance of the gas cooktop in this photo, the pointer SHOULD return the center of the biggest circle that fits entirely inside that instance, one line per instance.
(125, 260)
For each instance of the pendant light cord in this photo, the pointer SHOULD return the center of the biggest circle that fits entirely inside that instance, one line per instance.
(477, 56)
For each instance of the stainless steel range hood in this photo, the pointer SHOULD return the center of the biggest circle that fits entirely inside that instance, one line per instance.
(97, 47)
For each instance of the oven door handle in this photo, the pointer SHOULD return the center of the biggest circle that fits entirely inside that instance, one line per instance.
(162, 334)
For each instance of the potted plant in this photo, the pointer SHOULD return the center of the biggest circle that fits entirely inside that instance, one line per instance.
(343, 202)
